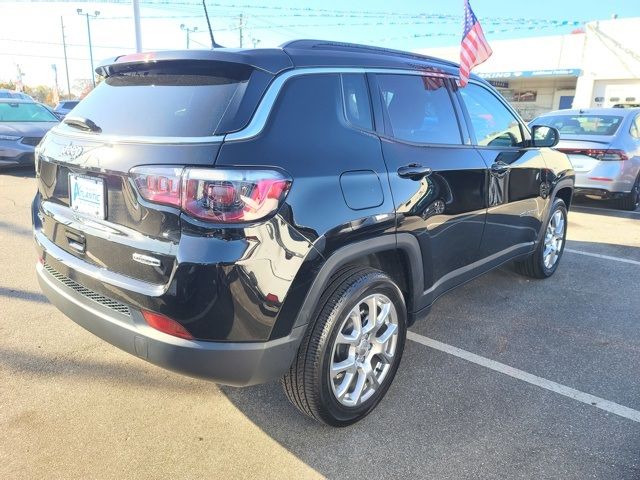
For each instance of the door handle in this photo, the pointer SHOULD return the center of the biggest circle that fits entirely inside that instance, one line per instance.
(499, 168)
(414, 171)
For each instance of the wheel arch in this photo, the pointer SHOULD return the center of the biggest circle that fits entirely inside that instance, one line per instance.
(397, 255)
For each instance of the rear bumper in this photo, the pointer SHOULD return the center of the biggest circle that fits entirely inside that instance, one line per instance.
(608, 177)
(229, 363)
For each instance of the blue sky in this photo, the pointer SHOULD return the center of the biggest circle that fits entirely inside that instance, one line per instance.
(30, 31)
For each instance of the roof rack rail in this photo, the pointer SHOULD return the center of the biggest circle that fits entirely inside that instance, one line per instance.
(356, 47)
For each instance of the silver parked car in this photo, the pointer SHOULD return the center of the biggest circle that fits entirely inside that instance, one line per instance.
(23, 123)
(603, 145)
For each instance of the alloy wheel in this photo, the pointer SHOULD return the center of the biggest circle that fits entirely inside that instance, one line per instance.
(364, 349)
(554, 239)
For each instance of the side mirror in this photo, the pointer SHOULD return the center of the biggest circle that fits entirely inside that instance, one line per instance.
(544, 136)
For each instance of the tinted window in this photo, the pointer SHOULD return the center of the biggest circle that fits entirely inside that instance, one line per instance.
(70, 104)
(419, 109)
(25, 112)
(357, 107)
(582, 124)
(177, 99)
(493, 124)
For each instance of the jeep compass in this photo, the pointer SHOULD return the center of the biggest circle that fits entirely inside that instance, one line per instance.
(248, 215)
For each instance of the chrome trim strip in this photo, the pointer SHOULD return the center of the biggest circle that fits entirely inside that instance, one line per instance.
(107, 231)
(261, 115)
(100, 274)
(97, 137)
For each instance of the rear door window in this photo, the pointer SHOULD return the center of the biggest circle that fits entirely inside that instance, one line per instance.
(169, 99)
(419, 109)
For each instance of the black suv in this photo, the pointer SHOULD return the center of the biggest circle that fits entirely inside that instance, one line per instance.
(245, 215)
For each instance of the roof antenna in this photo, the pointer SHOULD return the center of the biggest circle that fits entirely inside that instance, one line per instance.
(206, 14)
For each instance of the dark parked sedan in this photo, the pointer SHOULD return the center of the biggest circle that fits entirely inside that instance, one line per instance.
(23, 123)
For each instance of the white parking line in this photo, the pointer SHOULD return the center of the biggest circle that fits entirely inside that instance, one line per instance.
(592, 400)
(605, 257)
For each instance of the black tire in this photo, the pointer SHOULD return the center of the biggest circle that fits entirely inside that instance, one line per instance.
(631, 201)
(308, 383)
(533, 266)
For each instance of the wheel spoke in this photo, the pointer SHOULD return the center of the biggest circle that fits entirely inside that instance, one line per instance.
(372, 303)
(359, 387)
(385, 308)
(373, 380)
(344, 386)
(388, 333)
(386, 357)
(347, 364)
(351, 339)
(355, 317)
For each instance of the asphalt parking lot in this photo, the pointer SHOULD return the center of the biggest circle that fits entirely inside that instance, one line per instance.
(507, 392)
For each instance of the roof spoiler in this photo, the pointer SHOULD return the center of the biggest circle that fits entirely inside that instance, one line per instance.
(272, 60)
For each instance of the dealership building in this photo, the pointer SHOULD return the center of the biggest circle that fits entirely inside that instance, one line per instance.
(595, 66)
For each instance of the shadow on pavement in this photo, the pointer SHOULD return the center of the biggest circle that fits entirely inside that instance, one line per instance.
(20, 172)
(444, 418)
(35, 363)
(25, 232)
(601, 207)
(23, 295)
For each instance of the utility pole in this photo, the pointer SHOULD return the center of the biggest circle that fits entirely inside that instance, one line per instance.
(189, 31)
(88, 15)
(56, 91)
(19, 84)
(136, 25)
(66, 63)
(240, 29)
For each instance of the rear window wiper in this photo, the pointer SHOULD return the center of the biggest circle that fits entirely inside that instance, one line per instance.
(82, 123)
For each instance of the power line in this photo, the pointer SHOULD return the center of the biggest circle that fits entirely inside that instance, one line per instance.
(42, 42)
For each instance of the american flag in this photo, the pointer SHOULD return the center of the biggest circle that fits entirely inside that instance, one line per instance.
(474, 49)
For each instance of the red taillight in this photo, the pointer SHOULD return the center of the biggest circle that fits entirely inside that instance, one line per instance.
(158, 184)
(217, 195)
(610, 155)
(166, 325)
(232, 196)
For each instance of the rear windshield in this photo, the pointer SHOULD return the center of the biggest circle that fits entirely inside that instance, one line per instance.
(170, 99)
(25, 112)
(582, 124)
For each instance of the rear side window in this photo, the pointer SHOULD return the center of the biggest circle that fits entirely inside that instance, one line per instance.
(493, 124)
(357, 107)
(419, 109)
(173, 99)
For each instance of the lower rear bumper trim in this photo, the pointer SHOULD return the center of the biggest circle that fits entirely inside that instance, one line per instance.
(229, 363)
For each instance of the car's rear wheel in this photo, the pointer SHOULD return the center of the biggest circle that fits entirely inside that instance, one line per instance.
(349, 357)
(631, 201)
(543, 262)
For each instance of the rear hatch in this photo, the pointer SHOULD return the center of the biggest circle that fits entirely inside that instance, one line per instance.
(161, 111)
